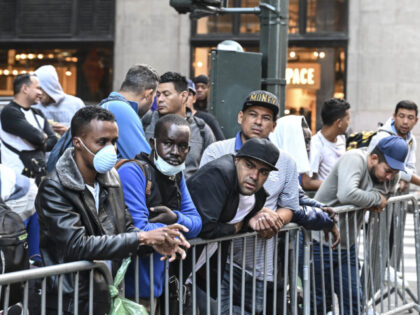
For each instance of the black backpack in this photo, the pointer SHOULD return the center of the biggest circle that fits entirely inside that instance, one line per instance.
(13, 250)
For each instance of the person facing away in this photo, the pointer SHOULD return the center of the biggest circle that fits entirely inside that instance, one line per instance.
(156, 195)
(329, 143)
(82, 214)
(25, 132)
(202, 86)
(401, 124)
(206, 116)
(172, 96)
(57, 106)
(364, 180)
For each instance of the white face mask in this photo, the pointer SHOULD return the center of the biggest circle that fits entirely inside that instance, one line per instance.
(166, 168)
(104, 160)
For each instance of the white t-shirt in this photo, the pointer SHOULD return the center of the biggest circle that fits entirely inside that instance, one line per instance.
(324, 154)
(245, 206)
(95, 193)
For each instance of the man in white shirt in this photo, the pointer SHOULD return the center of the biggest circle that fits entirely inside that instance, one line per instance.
(329, 143)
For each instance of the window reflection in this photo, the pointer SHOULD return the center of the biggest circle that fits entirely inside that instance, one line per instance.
(326, 16)
(293, 16)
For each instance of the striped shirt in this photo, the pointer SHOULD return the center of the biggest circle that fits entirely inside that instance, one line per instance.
(282, 187)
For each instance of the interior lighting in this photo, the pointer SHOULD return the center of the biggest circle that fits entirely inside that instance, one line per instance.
(6, 72)
(40, 56)
(15, 72)
(31, 56)
(23, 71)
(322, 55)
(23, 56)
(316, 54)
(50, 56)
(1, 72)
(17, 57)
(199, 64)
(74, 59)
(292, 54)
(31, 72)
(68, 73)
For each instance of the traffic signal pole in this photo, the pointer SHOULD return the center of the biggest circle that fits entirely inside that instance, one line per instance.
(274, 21)
(274, 47)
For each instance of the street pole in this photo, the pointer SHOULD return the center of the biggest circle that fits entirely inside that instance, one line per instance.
(274, 19)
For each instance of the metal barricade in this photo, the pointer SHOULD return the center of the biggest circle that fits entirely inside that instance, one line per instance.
(262, 279)
(42, 274)
(366, 274)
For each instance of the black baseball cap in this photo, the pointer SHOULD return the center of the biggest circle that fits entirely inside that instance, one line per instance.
(260, 149)
(262, 98)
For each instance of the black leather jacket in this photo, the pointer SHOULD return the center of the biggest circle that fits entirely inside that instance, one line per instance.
(71, 229)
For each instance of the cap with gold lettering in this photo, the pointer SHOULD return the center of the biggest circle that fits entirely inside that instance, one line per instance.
(262, 98)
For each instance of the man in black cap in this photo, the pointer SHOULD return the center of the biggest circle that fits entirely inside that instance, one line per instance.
(228, 192)
(202, 86)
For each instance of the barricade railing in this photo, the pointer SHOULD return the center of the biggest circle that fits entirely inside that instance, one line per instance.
(43, 273)
(295, 272)
(262, 279)
(366, 274)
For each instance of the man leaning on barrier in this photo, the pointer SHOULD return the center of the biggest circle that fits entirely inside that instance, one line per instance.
(228, 192)
(364, 180)
(82, 214)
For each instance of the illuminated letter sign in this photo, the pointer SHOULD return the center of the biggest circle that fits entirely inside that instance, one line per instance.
(303, 75)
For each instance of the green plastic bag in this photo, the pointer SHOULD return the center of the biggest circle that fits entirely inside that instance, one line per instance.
(120, 305)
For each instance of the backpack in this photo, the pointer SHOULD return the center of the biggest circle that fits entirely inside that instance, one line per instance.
(144, 168)
(362, 139)
(66, 140)
(13, 250)
(359, 139)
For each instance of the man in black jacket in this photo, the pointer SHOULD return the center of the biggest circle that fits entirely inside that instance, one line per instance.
(228, 192)
(82, 214)
(25, 132)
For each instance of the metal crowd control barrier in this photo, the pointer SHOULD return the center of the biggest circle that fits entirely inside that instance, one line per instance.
(289, 274)
(276, 294)
(42, 274)
(372, 254)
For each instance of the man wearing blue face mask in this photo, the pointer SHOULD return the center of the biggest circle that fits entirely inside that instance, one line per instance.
(156, 195)
(82, 215)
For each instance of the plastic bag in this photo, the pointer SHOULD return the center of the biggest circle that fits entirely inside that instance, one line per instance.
(120, 305)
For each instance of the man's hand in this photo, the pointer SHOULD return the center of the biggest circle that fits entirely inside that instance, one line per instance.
(330, 212)
(336, 236)
(403, 185)
(163, 215)
(266, 222)
(238, 226)
(166, 240)
(380, 207)
(59, 128)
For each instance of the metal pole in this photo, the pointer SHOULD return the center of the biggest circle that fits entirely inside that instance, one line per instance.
(274, 45)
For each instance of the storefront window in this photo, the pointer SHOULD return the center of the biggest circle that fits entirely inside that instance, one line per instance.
(82, 72)
(313, 75)
(215, 24)
(250, 23)
(293, 16)
(326, 16)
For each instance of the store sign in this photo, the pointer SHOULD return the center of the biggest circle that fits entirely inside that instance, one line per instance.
(303, 75)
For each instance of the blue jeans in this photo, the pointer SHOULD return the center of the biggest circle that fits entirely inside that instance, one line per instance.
(236, 294)
(345, 267)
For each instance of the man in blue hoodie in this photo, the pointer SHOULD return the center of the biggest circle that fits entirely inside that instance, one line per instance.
(156, 195)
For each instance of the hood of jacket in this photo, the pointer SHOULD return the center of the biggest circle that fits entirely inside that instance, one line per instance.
(71, 178)
(48, 79)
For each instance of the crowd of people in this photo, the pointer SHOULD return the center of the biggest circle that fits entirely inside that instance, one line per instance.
(149, 168)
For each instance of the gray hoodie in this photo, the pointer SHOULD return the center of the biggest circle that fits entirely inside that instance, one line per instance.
(387, 130)
(64, 106)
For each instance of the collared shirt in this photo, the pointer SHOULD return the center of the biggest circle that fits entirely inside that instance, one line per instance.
(282, 187)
